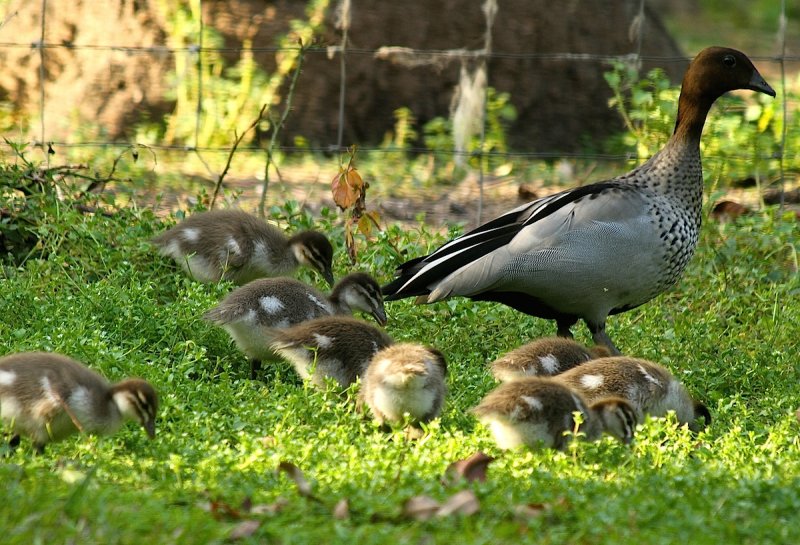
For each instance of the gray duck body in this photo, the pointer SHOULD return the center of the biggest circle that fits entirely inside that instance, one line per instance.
(649, 387)
(538, 412)
(595, 250)
(48, 397)
(337, 347)
(237, 246)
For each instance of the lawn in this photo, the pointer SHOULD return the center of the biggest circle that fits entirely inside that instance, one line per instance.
(96, 290)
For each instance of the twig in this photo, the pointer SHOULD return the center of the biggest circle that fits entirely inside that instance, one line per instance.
(236, 142)
(276, 128)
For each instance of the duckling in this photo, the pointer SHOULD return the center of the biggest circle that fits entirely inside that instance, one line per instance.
(249, 313)
(49, 396)
(537, 412)
(649, 387)
(544, 357)
(339, 347)
(402, 379)
(237, 246)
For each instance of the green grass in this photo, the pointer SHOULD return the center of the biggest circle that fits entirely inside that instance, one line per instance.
(97, 291)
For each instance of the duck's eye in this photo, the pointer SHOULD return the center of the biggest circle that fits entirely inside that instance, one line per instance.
(729, 60)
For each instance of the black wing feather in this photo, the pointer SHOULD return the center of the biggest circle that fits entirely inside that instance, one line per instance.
(482, 240)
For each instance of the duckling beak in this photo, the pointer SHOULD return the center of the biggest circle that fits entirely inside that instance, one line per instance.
(380, 316)
(758, 83)
(150, 428)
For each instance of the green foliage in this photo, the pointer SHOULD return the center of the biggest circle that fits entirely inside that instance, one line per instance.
(231, 96)
(98, 291)
(742, 137)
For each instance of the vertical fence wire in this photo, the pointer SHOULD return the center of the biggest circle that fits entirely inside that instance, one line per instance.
(344, 22)
(490, 11)
(782, 44)
(199, 53)
(40, 45)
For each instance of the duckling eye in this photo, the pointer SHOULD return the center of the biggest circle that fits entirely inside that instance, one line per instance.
(729, 61)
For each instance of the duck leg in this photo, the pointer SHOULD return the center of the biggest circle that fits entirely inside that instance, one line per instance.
(564, 325)
(599, 336)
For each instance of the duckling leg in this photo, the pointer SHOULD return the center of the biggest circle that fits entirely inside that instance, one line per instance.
(599, 336)
(255, 367)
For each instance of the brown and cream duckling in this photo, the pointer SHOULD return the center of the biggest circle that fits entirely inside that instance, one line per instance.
(544, 357)
(48, 396)
(649, 387)
(237, 246)
(339, 347)
(405, 380)
(251, 312)
(538, 412)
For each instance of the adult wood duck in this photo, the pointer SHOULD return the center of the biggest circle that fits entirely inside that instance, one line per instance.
(599, 249)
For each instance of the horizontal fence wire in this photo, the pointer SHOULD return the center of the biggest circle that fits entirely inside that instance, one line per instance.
(327, 50)
(391, 54)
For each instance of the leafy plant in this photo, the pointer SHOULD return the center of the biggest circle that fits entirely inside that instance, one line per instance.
(350, 192)
(742, 137)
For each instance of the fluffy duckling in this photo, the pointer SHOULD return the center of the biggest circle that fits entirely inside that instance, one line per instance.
(237, 246)
(537, 412)
(402, 379)
(49, 396)
(338, 347)
(649, 387)
(251, 312)
(544, 357)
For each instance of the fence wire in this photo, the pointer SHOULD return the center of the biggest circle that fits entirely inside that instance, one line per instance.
(477, 57)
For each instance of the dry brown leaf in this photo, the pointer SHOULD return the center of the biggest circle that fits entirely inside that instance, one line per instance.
(346, 187)
(342, 510)
(223, 510)
(364, 225)
(472, 469)
(294, 473)
(420, 508)
(244, 529)
(269, 508)
(462, 503)
(530, 510)
(354, 179)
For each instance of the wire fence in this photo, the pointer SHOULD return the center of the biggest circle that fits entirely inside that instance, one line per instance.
(475, 73)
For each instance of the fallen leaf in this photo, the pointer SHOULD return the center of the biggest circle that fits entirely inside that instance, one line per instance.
(462, 503)
(420, 507)
(220, 509)
(530, 510)
(294, 473)
(269, 508)
(244, 529)
(472, 469)
(342, 510)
